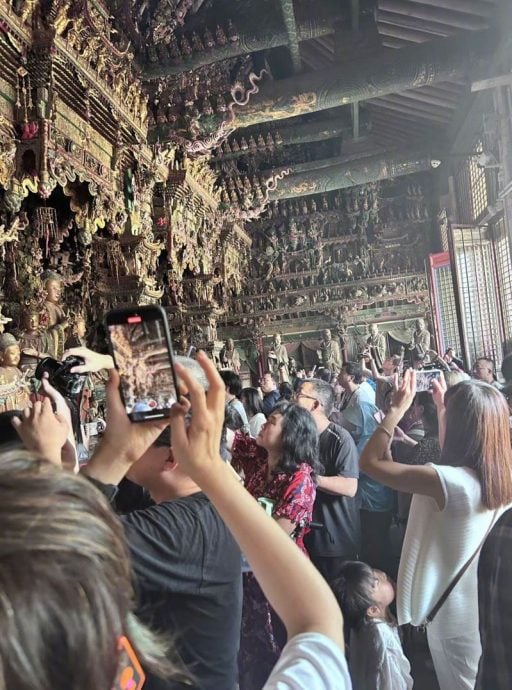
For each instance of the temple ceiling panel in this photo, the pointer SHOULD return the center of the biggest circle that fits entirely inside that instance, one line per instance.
(250, 164)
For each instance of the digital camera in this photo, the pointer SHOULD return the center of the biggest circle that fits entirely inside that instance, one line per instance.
(60, 377)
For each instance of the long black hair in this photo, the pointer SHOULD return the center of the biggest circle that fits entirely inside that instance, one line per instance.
(251, 399)
(299, 438)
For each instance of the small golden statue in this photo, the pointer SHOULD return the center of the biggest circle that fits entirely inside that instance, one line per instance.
(35, 343)
(57, 318)
(78, 332)
(14, 393)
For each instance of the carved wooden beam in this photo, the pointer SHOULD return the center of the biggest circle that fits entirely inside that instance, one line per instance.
(411, 11)
(310, 132)
(347, 305)
(381, 279)
(377, 75)
(266, 38)
(290, 24)
(344, 175)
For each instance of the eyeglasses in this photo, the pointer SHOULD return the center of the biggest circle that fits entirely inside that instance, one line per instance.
(303, 395)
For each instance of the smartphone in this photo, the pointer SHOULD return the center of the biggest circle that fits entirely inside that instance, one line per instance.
(424, 379)
(140, 344)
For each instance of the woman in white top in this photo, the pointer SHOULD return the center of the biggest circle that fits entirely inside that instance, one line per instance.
(251, 400)
(453, 506)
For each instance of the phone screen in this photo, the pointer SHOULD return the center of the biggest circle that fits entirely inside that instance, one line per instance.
(143, 358)
(424, 379)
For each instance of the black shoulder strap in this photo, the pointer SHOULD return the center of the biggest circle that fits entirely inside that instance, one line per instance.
(433, 613)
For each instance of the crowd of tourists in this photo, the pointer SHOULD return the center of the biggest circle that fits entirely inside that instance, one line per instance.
(253, 539)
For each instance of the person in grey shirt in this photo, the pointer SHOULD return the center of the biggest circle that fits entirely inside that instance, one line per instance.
(233, 385)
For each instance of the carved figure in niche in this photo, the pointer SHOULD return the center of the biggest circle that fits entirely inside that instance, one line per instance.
(211, 329)
(277, 359)
(294, 237)
(229, 357)
(376, 343)
(78, 332)
(330, 352)
(27, 10)
(421, 338)
(197, 335)
(3, 320)
(57, 319)
(61, 21)
(14, 394)
(34, 342)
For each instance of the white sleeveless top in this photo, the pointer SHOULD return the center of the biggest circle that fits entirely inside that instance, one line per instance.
(437, 544)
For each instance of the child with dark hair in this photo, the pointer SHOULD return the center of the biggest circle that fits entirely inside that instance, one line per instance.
(376, 658)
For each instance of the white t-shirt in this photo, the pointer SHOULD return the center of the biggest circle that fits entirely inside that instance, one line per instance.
(255, 423)
(437, 544)
(377, 660)
(310, 662)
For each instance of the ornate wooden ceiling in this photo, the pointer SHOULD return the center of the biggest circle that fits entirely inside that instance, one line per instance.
(343, 78)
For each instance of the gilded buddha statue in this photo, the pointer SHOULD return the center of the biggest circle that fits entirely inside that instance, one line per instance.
(57, 318)
(35, 343)
(14, 393)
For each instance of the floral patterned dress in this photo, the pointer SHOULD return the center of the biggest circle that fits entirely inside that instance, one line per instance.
(292, 497)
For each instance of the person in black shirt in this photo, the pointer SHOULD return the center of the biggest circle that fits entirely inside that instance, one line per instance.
(187, 565)
(336, 506)
(271, 395)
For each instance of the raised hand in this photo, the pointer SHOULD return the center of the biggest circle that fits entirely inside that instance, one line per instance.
(42, 430)
(127, 439)
(93, 361)
(439, 389)
(196, 445)
(404, 392)
(124, 442)
(69, 456)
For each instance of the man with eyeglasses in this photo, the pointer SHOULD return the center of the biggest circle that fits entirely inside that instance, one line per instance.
(483, 370)
(336, 506)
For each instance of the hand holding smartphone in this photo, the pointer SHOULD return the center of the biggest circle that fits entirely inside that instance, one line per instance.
(140, 345)
(424, 379)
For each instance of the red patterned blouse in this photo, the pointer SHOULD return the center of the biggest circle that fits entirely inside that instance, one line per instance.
(292, 495)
